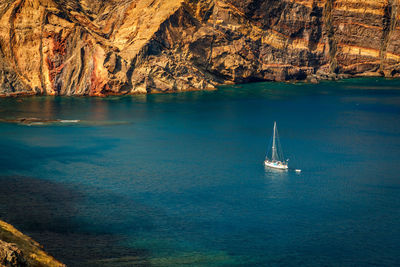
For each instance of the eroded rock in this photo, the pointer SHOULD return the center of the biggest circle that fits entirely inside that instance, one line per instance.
(11, 255)
(95, 47)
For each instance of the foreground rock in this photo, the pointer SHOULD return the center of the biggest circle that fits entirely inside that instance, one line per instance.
(10, 255)
(17, 249)
(98, 47)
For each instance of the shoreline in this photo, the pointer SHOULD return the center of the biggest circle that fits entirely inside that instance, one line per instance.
(314, 79)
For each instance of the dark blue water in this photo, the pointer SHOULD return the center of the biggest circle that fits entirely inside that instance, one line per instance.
(178, 179)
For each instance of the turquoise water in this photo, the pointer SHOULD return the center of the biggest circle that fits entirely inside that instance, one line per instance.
(178, 179)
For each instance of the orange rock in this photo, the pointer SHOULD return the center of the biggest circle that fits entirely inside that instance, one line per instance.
(94, 47)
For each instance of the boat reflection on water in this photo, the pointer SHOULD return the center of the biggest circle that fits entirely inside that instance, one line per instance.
(272, 173)
(275, 184)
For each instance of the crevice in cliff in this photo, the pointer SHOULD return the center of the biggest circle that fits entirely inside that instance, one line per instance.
(82, 67)
(389, 22)
(253, 6)
(330, 32)
(316, 26)
(214, 14)
(43, 22)
(56, 61)
(1, 51)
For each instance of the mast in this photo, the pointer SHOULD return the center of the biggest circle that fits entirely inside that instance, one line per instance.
(274, 154)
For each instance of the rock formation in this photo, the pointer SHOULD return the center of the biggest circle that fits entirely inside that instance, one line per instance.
(10, 255)
(18, 250)
(103, 47)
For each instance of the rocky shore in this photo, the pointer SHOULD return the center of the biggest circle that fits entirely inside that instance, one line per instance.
(38, 121)
(98, 48)
(17, 249)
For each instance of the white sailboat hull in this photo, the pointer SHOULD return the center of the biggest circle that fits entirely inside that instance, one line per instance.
(276, 165)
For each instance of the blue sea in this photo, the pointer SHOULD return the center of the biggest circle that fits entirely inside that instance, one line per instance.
(178, 179)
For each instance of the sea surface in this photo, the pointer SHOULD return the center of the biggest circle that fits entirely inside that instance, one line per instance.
(178, 179)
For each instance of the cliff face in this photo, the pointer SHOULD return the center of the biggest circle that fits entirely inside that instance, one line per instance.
(99, 47)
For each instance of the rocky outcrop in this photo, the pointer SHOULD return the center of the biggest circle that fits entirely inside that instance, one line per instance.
(10, 255)
(19, 250)
(98, 47)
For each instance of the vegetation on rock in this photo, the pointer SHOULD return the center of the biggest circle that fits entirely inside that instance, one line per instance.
(17, 249)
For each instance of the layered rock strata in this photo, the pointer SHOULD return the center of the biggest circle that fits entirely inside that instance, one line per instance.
(98, 47)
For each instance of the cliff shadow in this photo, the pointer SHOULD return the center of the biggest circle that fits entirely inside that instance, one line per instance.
(47, 212)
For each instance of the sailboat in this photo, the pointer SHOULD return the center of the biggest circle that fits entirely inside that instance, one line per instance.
(276, 159)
